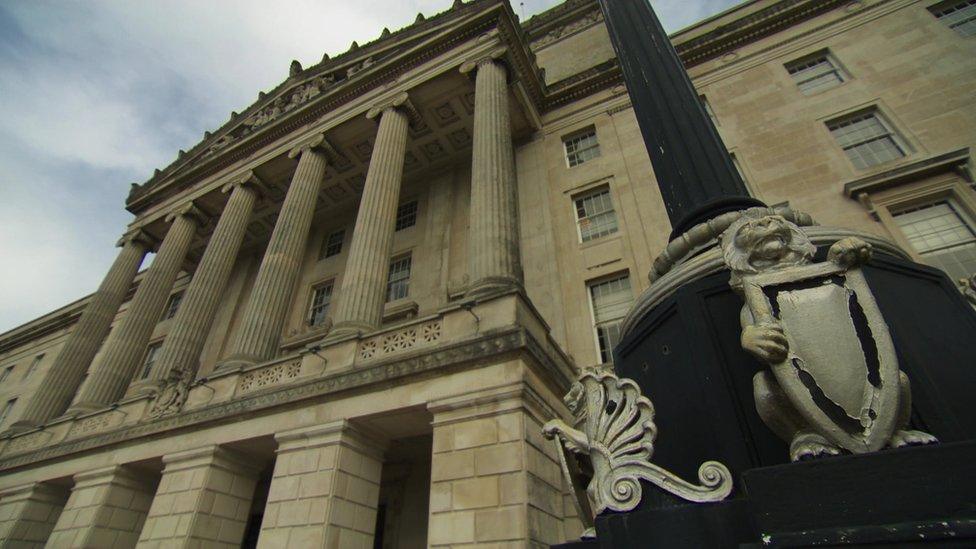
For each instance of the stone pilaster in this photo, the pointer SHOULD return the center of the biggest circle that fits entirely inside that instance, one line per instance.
(64, 377)
(494, 478)
(28, 514)
(363, 292)
(191, 325)
(325, 489)
(107, 508)
(493, 235)
(203, 500)
(259, 335)
(126, 345)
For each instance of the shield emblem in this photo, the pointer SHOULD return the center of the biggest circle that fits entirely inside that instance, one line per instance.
(841, 373)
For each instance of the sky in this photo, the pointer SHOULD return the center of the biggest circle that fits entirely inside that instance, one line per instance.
(99, 93)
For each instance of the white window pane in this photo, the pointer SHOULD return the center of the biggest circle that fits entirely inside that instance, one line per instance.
(398, 280)
(942, 235)
(581, 148)
(406, 215)
(319, 308)
(595, 215)
(816, 74)
(611, 300)
(959, 16)
(866, 140)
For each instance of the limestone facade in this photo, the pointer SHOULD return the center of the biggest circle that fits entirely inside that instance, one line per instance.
(393, 264)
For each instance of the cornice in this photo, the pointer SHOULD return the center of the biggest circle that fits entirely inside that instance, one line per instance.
(956, 161)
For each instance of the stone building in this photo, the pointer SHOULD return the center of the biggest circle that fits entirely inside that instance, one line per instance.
(372, 286)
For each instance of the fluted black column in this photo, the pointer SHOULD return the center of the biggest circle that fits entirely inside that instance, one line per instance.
(694, 171)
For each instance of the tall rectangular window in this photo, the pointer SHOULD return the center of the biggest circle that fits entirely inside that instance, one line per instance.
(581, 147)
(398, 281)
(319, 307)
(5, 411)
(173, 305)
(406, 215)
(816, 73)
(867, 139)
(33, 365)
(5, 373)
(333, 244)
(959, 16)
(595, 215)
(942, 234)
(610, 299)
(151, 354)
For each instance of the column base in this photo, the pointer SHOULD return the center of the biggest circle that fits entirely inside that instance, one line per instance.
(236, 362)
(19, 427)
(492, 285)
(347, 330)
(146, 387)
(82, 408)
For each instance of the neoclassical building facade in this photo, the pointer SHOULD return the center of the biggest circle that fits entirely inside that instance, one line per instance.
(372, 287)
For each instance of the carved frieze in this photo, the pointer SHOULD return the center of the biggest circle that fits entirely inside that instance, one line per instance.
(272, 375)
(400, 340)
(568, 29)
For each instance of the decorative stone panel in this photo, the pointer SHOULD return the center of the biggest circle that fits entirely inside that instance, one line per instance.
(27, 442)
(272, 375)
(401, 340)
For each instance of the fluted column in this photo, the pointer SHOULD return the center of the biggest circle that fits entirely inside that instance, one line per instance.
(259, 335)
(64, 377)
(194, 318)
(493, 235)
(363, 291)
(126, 345)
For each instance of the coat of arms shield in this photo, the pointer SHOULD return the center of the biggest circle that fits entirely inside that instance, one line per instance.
(841, 372)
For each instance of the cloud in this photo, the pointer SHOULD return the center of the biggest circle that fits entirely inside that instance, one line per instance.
(101, 93)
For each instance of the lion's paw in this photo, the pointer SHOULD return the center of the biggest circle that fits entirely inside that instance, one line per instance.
(811, 445)
(911, 438)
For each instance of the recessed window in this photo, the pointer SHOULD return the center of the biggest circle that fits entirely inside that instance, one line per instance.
(708, 109)
(958, 16)
(581, 147)
(398, 281)
(33, 365)
(5, 373)
(173, 305)
(333, 244)
(318, 309)
(5, 411)
(816, 73)
(942, 234)
(611, 300)
(406, 215)
(151, 354)
(595, 215)
(867, 139)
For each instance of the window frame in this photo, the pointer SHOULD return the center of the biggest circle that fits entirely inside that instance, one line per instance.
(834, 122)
(33, 366)
(956, 206)
(590, 192)
(173, 304)
(150, 358)
(310, 309)
(938, 11)
(580, 134)
(327, 244)
(402, 216)
(7, 409)
(793, 69)
(7, 372)
(589, 285)
(408, 257)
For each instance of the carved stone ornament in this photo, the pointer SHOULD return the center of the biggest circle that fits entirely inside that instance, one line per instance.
(968, 288)
(617, 435)
(833, 383)
(172, 396)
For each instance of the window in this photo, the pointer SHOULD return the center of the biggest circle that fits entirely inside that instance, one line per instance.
(958, 16)
(611, 300)
(867, 139)
(6, 373)
(33, 365)
(595, 215)
(151, 353)
(406, 215)
(943, 235)
(319, 307)
(816, 73)
(398, 281)
(5, 412)
(708, 109)
(333, 244)
(581, 147)
(173, 305)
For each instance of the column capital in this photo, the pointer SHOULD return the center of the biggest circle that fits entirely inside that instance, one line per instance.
(399, 101)
(496, 54)
(247, 180)
(190, 210)
(316, 142)
(138, 236)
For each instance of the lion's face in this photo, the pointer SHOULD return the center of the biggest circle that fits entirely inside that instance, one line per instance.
(758, 243)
